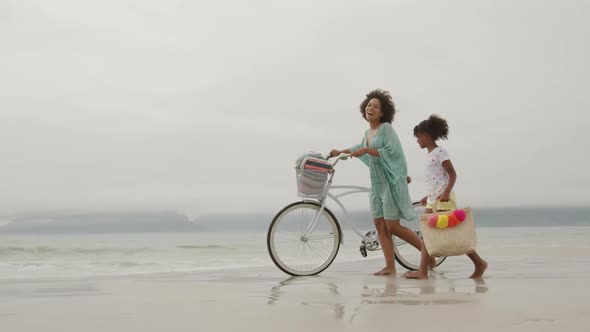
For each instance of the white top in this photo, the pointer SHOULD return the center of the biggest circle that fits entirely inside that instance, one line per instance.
(436, 177)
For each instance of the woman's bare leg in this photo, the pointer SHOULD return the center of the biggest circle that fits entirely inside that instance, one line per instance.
(422, 272)
(409, 236)
(431, 260)
(387, 244)
(394, 227)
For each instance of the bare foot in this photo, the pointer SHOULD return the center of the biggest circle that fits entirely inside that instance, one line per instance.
(432, 263)
(479, 270)
(416, 275)
(385, 271)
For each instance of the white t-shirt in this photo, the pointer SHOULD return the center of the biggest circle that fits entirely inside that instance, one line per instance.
(436, 177)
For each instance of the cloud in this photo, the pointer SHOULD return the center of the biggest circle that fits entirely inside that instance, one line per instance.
(194, 106)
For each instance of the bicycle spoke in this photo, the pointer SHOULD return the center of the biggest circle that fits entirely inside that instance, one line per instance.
(321, 237)
(316, 253)
(318, 249)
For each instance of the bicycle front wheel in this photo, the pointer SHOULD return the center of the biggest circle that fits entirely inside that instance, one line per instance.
(295, 253)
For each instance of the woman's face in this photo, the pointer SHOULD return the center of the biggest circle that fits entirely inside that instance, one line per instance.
(373, 110)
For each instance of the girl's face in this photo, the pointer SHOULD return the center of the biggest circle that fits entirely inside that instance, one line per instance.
(423, 140)
(373, 110)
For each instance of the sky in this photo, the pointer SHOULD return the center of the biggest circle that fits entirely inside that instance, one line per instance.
(203, 107)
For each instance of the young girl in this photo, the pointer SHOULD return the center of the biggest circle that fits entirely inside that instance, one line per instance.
(440, 179)
(382, 152)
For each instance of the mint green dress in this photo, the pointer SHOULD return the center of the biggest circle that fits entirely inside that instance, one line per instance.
(389, 196)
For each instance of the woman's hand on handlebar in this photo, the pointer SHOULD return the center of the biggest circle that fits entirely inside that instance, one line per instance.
(335, 153)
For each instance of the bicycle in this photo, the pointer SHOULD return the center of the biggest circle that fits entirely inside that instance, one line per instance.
(304, 237)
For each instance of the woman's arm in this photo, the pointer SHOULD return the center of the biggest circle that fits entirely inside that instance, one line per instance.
(357, 153)
(335, 152)
(450, 169)
(363, 151)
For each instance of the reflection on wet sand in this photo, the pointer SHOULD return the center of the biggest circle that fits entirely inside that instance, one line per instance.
(340, 297)
(422, 292)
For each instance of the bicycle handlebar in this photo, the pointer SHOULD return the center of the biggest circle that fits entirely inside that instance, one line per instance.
(340, 157)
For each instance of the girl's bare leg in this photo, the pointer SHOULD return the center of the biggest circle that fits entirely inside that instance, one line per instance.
(480, 265)
(387, 245)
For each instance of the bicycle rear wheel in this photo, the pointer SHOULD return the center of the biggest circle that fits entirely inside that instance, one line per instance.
(405, 254)
(291, 251)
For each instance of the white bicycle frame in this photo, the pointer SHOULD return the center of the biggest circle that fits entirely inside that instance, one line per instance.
(335, 197)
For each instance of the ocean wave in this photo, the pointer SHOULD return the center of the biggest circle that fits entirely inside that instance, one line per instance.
(212, 246)
(22, 250)
(128, 264)
(44, 250)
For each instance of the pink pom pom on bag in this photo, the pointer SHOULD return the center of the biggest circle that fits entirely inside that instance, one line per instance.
(432, 220)
(460, 214)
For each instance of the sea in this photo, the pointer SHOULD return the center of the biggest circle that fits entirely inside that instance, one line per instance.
(40, 254)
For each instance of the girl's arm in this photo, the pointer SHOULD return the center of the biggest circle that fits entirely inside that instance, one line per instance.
(450, 169)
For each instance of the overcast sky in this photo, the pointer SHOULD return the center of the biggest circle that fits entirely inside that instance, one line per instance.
(203, 106)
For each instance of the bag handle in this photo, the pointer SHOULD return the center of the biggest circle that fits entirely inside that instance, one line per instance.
(435, 207)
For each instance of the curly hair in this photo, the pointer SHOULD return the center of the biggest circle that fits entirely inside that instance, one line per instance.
(387, 105)
(434, 126)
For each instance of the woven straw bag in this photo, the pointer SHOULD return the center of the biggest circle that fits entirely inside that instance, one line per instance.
(450, 241)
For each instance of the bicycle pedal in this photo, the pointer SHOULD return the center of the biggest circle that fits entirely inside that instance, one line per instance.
(363, 251)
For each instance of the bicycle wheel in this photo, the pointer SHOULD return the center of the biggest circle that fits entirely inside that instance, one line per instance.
(291, 251)
(405, 254)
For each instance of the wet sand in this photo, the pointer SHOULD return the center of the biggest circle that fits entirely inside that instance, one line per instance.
(536, 294)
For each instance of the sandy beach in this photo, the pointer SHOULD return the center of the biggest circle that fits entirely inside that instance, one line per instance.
(543, 293)
(154, 153)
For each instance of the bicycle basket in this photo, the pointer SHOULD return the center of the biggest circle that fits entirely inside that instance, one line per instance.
(311, 183)
(312, 174)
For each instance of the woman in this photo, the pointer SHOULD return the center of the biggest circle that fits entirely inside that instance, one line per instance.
(389, 198)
